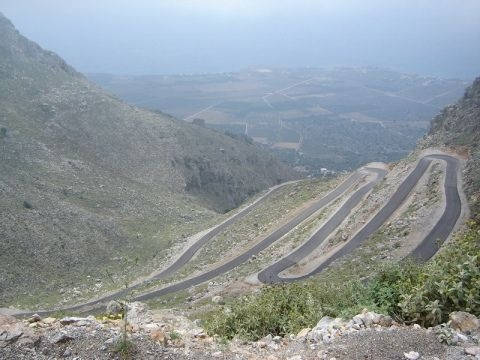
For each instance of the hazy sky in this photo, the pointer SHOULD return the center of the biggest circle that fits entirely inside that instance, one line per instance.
(434, 37)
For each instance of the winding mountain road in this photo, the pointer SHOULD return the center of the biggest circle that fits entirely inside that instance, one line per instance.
(426, 249)
(262, 245)
(188, 254)
(185, 257)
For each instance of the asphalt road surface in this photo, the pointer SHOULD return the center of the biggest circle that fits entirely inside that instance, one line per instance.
(262, 245)
(188, 254)
(425, 250)
(192, 250)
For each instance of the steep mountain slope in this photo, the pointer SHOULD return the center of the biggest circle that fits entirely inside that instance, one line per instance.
(459, 126)
(86, 179)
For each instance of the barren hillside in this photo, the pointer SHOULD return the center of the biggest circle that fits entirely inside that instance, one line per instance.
(458, 126)
(86, 179)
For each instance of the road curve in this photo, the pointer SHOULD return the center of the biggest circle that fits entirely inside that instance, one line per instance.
(444, 227)
(425, 250)
(188, 254)
(262, 245)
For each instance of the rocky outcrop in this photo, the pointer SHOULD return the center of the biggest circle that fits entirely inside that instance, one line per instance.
(458, 126)
(328, 328)
(464, 322)
(14, 332)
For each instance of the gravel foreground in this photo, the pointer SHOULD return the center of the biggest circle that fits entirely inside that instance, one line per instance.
(169, 335)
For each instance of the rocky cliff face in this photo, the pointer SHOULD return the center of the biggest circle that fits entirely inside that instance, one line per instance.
(86, 178)
(459, 126)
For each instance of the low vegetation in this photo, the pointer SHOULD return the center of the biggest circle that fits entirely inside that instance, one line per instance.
(410, 292)
(285, 309)
(426, 294)
(125, 348)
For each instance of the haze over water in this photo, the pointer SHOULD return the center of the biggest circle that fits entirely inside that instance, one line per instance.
(432, 37)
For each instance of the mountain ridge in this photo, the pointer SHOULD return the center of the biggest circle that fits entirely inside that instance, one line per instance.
(458, 126)
(87, 179)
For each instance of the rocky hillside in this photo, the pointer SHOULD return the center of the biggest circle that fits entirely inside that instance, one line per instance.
(459, 126)
(86, 178)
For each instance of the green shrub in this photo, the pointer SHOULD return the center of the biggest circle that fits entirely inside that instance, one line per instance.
(175, 335)
(286, 309)
(125, 348)
(428, 293)
(410, 292)
(391, 283)
(450, 282)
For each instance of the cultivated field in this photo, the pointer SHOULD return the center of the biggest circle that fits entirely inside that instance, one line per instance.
(335, 119)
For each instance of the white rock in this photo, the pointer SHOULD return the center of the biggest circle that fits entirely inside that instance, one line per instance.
(138, 313)
(303, 333)
(337, 323)
(378, 319)
(296, 357)
(261, 344)
(110, 341)
(10, 336)
(199, 333)
(75, 320)
(370, 318)
(462, 337)
(62, 338)
(316, 334)
(324, 322)
(327, 339)
(49, 320)
(412, 355)
(358, 320)
(34, 318)
(151, 327)
(277, 339)
(218, 300)
(267, 338)
(474, 350)
(327, 326)
(273, 346)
